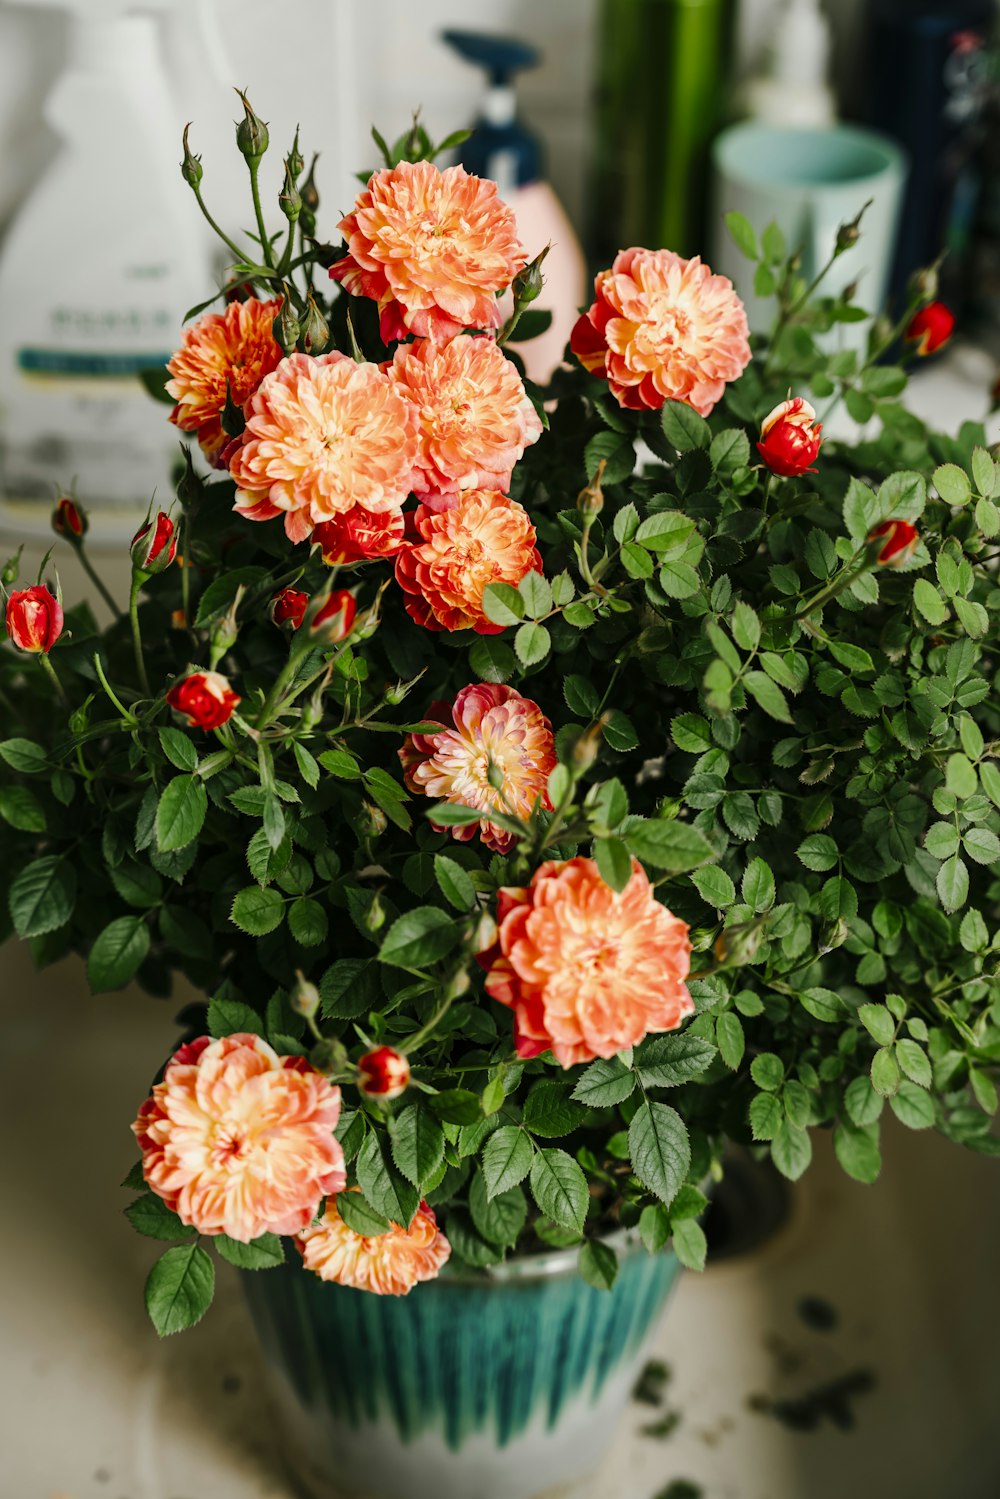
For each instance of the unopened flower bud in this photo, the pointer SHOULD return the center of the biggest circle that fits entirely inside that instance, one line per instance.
(251, 132)
(295, 162)
(232, 418)
(289, 199)
(374, 918)
(154, 545)
(315, 328)
(590, 501)
(834, 934)
(334, 619)
(69, 519)
(191, 168)
(371, 821)
(225, 631)
(79, 719)
(587, 748)
(486, 933)
(737, 945)
(458, 985)
(34, 620)
(893, 543)
(790, 439)
(288, 608)
(383, 1073)
(395, 695)
(286, 327)
(309, 191)
(849, 234)
(930, 329)
(924, 283)
(528, 283)
(12, 568)
(329, 1057)
(304, 998)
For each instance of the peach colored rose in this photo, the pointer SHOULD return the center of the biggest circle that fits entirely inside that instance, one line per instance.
(485, 538)
(662, 328)
(235, 346)
(323, 437)
(239, 1141)
(474, 418)
(495, 750)
(432, 248)
(586, 969)
(390, 1265)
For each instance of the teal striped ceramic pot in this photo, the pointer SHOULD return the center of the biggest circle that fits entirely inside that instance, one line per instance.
(508, 1384)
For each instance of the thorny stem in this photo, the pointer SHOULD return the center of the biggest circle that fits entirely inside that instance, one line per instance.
(133, 610)
(265, 243)
(53, 675)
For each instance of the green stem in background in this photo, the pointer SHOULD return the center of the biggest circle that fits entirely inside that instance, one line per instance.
(50, 671)
(129, 718)
(133, 610)
(265, 244)
(230, 244)
(94, 577)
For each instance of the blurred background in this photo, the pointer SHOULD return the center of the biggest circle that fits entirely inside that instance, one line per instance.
(851, 1352)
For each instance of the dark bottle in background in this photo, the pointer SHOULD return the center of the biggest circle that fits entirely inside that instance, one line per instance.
(662, 73)
(929, 82)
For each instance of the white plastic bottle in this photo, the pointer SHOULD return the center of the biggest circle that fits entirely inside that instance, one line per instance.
(97, 271)
(794, 88)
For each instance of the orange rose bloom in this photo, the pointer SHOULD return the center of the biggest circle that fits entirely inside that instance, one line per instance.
(359, 536)
(432, 248)
(485, 538)
(490, 734)
(586, 969)
(662, 328)
(239, 1141)
(474, 418)
(235, 346)
(323, 436)
(389, 1265)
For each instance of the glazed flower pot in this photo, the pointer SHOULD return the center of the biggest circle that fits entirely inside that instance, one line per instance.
(506, 1385)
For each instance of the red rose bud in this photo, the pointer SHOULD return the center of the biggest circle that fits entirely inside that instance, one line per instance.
(288, 608)
(930, 328)
(359, 535)
(34, 620)
(384, 1073)
(894, 542)
(790, 439)
(204, 699)
(335, 618)
(69, 519)
(154, 545)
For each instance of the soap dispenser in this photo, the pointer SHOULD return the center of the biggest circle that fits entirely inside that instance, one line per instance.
(500, 147)
(794, 88)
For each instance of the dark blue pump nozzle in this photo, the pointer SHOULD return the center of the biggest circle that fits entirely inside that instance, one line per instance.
(499, 146)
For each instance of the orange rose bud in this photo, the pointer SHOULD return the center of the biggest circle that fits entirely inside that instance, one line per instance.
(359, 535)
(69, 519)
(384, 1073)
(790, 439)
(895, 542)
(204, 699)
(288, 608)
(34, 620)
(154, 545)
(930, 328)
(335, 619)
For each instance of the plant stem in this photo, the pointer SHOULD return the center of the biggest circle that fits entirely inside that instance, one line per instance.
(214, 226)
(97, 581)
(265, 243)
(51, 673)
(133, 609)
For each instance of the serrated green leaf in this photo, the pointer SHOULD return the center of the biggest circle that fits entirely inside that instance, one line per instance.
(419, 937)
(117, 954)
(598, 1264)
(179, 1288)
(660, 1149)
(263, 1253)
(180, 812)
(559, 1187)
(507, 1158)
(42, 896)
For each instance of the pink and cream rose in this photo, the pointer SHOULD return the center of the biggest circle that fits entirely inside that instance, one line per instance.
(239, 1141)
(587, 970)
(389, 1265)
(494, 751)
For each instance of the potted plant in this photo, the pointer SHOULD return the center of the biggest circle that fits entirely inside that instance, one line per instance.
(535, 819)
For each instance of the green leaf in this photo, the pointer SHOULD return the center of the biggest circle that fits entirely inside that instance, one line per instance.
(598, 1264)
(221, 592)
(417, 1143)
(745, 626)
(714, 886)
(616, 449)
(913, 1060)
(491, 660)
(758, 887)
(454, 882)
(503, 604)
(884, 1072)
(767, 695)
(984, 472)
(952, 484)
(817, 852)
(23, 755)
(262, 1253)
(767, 1071)
(230, 1017)
(257, 910)
(42, 896)
(856, 1148)
(179, 1288)
(730, 1039)
(690, 1244)
(981, 844)
(348, 989)
(929, 601)
(534, 589)
(654, 1227)
(180, 812)
(614, 862)
(137, 884)
(550, 1111)
(660, 1149)
(605, 1083)
(669, 845)
(743, 234)
(683, 428)
(912, 1106)
(340, 764)
(953, 883)
(532, 643)
(691, 733)
(150, 1215)
(973, 933)
(729, 451)
(178, 749)
(507, 1159)
(766, 1116)
(359, 1215)
(419, 937)
(559, 1187)
(389, 1193)
(791, 1150)
(960, 777)
(22, 809)
(117, 954)
(669, 1061)
(862, 1103)
(308, 765)
(500, 1218)
(878, 1023)
(456, 1106)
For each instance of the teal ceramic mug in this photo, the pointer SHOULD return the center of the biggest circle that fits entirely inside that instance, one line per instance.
(810, 182)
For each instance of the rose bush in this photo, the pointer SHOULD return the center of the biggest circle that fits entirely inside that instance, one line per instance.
(535, 818)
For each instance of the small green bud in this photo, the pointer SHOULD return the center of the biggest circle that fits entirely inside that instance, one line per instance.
(737, 945)
(586, 749)
(295, 163)
(371, 821)
(231, 417)
(286, 327)
(304, 998)
(290, 199)
(458, 985)
(315, 328)
(308, 190)
(834, 934)
(225, 631)
(79, 720)
(251, 132)
(486, 933)
(375, 915)
(191, 168)
(11, 568)
(329, 1057)
(849, 234)
(924, 284)
(528, 283)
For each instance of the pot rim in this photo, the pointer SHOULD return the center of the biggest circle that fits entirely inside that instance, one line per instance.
(545, 1264)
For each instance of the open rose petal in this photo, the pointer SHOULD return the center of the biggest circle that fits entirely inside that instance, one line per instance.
(235, 348)
(390, 1265)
